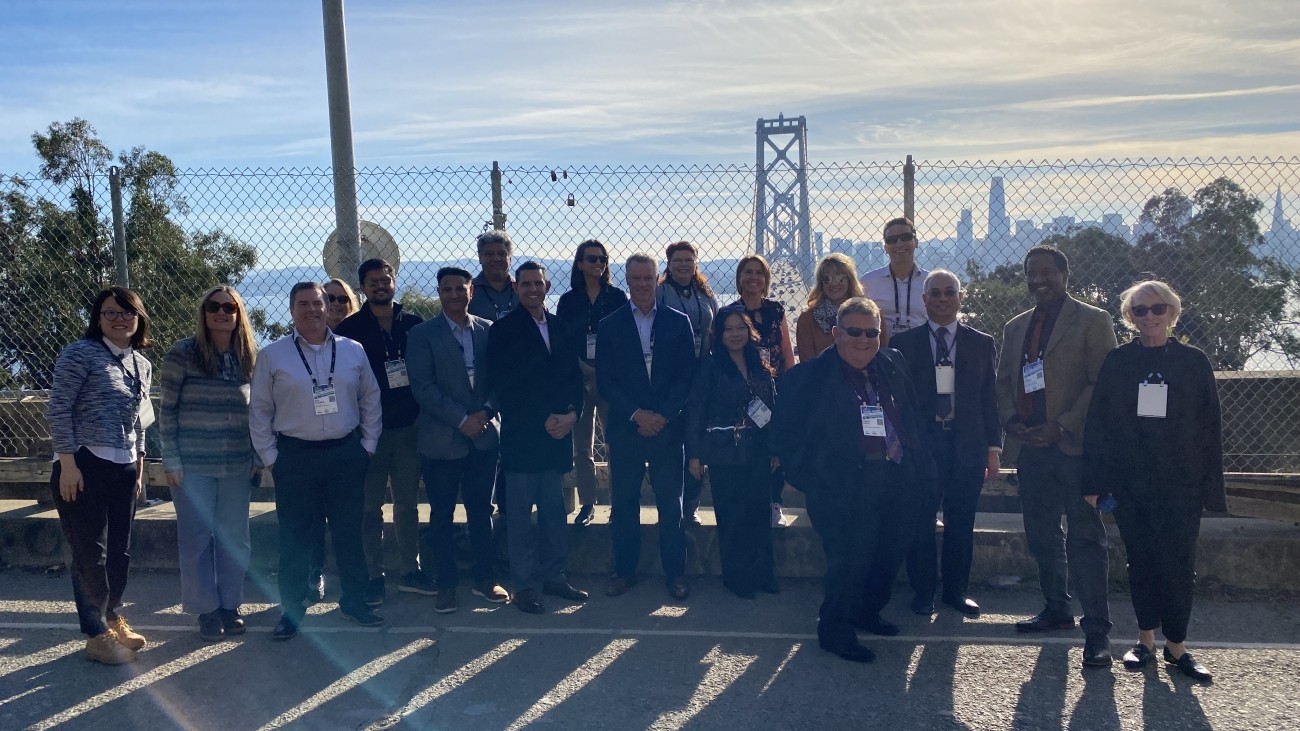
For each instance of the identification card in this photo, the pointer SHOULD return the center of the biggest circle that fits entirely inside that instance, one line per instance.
(1032, 374)
(469, 371)
(873, 421)
(759, 412)
(591, 346)
(396, 370)
(649, 363)
(945, 379)
(147, 416)
(1153, 398)
(698, 343)
(325, 400)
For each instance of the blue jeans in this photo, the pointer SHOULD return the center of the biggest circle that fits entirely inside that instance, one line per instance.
(212, 537)
(528, 569)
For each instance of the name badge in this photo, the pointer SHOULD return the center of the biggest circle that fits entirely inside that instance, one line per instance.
(1032, 374)
(873, 420)
(396, 370)
(649, 361)
(945, 379)
(469, 371)
(147, 416)
(698, 344)
(591, 346)
(759, 412)
(325, 400)
(1153, 398)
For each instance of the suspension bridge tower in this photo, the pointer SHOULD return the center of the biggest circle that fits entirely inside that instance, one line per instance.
(782, 231)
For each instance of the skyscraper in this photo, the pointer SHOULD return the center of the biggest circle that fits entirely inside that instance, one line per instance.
(965, 232)
(999, 236)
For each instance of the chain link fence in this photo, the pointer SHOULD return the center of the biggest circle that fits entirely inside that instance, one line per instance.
(1217, 229)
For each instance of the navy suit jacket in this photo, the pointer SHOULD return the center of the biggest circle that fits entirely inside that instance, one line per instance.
(975, 403)
(621, 373)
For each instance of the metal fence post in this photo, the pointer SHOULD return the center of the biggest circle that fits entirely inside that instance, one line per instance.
(498, 205)
(909, 190)
(122, 275)
(340, 113)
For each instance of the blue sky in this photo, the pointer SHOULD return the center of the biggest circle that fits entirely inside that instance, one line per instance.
(241, 84)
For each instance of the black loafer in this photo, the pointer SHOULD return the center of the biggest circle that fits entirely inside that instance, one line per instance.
(965, 605)
(564, 590)
(1044, 622)
(679, 589)
(1139, 657)
(1189, 666)
(284, 629)
(584, 516)
(877, 625)
(851, 652)
(210, 628)
(527, 602)
(1096, 652)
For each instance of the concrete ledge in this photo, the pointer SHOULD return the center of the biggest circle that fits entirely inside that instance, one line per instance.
(1235, 554)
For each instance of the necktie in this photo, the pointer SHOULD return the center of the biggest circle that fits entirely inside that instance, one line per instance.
(943, 403)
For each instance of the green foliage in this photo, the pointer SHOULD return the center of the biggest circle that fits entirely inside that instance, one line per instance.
(418, 303)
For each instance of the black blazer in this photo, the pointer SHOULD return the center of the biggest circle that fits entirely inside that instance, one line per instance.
(621, 376)
(399, 405)
(816, 427)
(721, 397)
(528, 383)
(975, 403)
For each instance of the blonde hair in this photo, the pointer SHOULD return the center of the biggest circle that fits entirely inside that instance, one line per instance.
(1154, 288)
(846, 265)
(353, 304)
(242, 344)
(767, 272)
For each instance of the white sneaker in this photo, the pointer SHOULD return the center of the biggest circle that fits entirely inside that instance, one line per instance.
(778, 518)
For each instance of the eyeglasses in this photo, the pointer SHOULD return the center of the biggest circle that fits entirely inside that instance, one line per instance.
(857, 332)
(593, 259)
(906, 238)
(115, 315)
(341, 299)
(213, 308)
(1157, 310)
(936, 293)
(835, 279)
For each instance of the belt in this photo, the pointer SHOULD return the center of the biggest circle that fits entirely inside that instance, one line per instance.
(312, 443)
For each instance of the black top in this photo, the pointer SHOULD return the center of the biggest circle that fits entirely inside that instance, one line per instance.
(767, 320)
(720, 397)
(399, 406)
(583, 316)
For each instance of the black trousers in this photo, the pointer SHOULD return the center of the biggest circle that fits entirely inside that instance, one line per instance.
(863, 528)
(97, 526)
(744, 524)
(473, 478)
(629, 454)
(1160, 535)
(958, 494)
(318, 484)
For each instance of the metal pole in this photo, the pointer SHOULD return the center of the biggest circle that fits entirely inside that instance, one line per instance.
(340, 107)
(909, 190)
(498, 205)
(122, 275)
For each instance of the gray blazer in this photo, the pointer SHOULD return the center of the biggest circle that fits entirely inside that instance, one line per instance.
(441, 386)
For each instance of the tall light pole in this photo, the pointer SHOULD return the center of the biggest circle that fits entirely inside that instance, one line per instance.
(345, 183)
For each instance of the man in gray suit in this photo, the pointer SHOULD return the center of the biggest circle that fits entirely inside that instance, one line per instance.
(458, 434)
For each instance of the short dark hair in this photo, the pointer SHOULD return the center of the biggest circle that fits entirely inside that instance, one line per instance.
(370, 265)
(530, 266)
(454, 272)
(900, 221)
(495, 236)
(128, 300)
(1058, 256)
(300, 286)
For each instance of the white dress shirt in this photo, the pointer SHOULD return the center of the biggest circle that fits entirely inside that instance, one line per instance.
(901, 306)
(464, 336)
(952, 340)
(645, 325)
(282, 400)
(543, 328)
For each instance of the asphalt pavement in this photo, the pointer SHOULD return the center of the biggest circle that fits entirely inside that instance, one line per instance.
(640, 661)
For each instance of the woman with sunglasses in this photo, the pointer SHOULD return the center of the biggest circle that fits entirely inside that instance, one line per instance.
(340, 301)
(209, 459)
(836, 281)
(98, 411)
(590, 298)
(1154, 441)
(726, 432)
(754, 283)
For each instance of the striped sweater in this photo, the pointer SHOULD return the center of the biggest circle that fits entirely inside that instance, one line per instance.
(93, 402)
(203, 419)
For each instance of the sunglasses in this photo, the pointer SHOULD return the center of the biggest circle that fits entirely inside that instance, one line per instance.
(857, 332)
(115, 315)
(1157, 310)
(213, 308)
(593, 259)
(341, 299)
(906, 238)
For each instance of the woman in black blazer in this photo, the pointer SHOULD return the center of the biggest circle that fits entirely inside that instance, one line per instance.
(730, 406)
(1153, 440)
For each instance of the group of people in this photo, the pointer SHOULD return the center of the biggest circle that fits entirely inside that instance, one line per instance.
(895, 410)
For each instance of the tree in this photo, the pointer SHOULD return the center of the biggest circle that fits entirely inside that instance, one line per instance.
(1101, 267)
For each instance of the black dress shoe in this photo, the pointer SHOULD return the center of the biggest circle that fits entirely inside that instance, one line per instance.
(923, 607)
(210, 628)
(565, 590)
(362, 616)
(852, 652)
(527, 602)
(1139, 656)
(1096, 652)
(1044, 622)
(679, 589)
(1189, 666)
(619, 585)
(584, 516)
(877, 625)
(284, 629)
(964, 605)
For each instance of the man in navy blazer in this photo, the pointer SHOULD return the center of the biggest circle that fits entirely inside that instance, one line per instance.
(954, 368)
(458, 435)
(645, 356)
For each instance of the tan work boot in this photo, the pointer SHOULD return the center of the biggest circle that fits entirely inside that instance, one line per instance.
(123, 633)
(108, 650)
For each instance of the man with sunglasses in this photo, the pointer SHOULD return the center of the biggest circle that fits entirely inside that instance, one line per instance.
(896, 288)
(953, 367)
(381, 327)
(846, 429)
(1051, 357)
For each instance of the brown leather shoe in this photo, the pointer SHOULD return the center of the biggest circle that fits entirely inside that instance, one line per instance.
(107, 650)
(123, 633)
